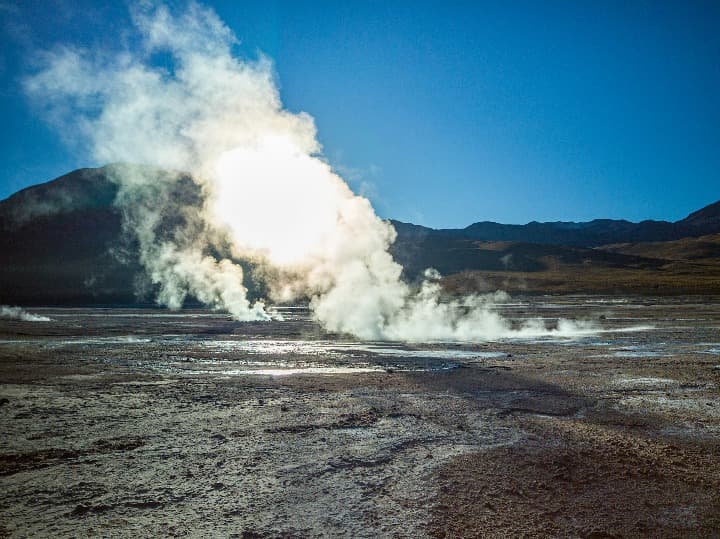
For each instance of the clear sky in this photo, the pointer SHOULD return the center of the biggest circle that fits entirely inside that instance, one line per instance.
(446, 113)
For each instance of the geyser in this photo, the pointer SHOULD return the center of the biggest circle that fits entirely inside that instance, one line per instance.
(266, 190)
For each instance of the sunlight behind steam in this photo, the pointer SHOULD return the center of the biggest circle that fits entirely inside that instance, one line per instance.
(266, 191)
(277, 201)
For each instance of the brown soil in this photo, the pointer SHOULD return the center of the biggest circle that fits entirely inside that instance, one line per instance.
(580, 480)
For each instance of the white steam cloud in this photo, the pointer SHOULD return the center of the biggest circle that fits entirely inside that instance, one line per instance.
(17, 313)
(262, 190)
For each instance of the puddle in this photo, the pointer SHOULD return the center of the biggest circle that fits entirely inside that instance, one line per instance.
(128, 339)
(336, 349)
(322, 363)
(222, 316)
(264, 347)
(429, 354)
(305, 370)
(145, 383)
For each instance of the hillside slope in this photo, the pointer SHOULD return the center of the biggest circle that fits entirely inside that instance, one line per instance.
(585, 234)
(61, 242)
(704, 248)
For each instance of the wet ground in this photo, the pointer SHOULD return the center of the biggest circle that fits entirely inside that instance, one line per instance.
(142, 423)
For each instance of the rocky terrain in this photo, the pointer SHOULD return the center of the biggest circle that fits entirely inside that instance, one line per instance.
(139, 423)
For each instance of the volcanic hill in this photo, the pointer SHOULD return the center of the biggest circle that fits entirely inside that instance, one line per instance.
(62, 242)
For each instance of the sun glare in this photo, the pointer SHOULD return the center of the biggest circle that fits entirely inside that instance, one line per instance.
(277, 201)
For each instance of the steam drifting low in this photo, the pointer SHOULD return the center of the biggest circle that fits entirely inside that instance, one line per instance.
(17, 313)
(265, 192)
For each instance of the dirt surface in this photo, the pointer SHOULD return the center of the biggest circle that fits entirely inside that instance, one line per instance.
(125, 423)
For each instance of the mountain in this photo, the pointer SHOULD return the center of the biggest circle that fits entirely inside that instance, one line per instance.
(706, 218)
(58, 242)
(80, 190)
(492, 246)
(585, 234)
(61, 242)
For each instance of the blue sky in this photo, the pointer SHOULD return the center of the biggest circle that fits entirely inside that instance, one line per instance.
(447, 113)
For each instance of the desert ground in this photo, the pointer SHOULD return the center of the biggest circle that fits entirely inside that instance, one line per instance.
(143, 423)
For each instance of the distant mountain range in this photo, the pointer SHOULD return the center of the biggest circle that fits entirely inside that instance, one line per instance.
(61, 242)
(453, 250)
(585, 234)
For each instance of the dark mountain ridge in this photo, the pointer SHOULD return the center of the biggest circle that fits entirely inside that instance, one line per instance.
(62, 242)
(582, 234)
(80, 190)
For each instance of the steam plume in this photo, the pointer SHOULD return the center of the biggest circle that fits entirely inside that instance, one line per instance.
(264, 192)
(16, 313)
